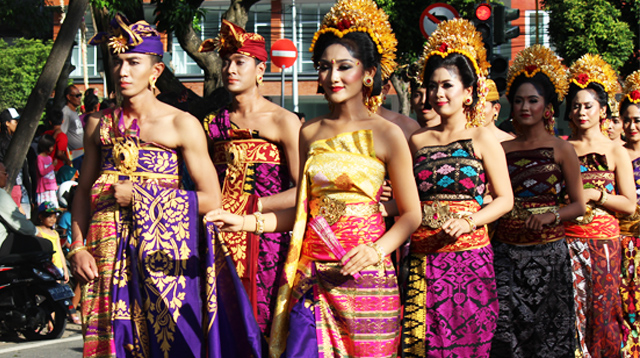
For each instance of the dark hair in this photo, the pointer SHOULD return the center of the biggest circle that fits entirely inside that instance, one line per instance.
(458, 62)
(55, 118)
(106, 103)
(543, 86)
(601, 97)
(67, 90)
(5, 117)
(360, 46)
(625, 103)
(46, 141)
(90, 101)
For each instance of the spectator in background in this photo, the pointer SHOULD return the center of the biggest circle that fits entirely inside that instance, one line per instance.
(46, 184)
(60, 152)
(20, 192)
(91, 105)
(72, 126)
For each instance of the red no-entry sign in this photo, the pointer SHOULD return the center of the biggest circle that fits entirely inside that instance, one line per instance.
(433, 15)
(284, 53)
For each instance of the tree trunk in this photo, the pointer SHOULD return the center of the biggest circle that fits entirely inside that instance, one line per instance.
(17, 151)
(59, 101)
(402, 88)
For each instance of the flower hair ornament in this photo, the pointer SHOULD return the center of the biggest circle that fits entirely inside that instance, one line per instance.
(593, 68)
(363, 16)
(539, 59)
(631, 89)
(460, 36)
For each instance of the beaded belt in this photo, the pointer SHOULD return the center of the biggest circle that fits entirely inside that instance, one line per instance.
(332, 209)
(520, 212)
(434, 215)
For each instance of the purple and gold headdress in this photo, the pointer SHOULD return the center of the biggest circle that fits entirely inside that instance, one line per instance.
(124, 37)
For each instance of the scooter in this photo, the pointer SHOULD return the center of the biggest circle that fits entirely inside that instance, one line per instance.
(32, 302)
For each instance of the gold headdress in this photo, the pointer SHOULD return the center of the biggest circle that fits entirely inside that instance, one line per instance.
(593, 68)
(363, 16)
(631, 91)
(460, 36)
(538, 58)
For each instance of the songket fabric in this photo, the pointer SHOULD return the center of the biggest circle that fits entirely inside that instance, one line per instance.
(249, 168)
(630, 285)
(451, 307)
(533, 268)
(332, 315)
(145, 301)
(595, 253)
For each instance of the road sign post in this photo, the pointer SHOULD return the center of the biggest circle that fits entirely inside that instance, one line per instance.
(283, 54)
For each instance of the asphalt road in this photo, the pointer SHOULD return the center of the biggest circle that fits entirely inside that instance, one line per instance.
(69, 346)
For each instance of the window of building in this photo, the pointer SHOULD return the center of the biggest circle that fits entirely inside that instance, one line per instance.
(537, 28)
(92, 55)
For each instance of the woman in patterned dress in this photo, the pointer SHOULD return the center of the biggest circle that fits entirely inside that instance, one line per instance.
(452, 305)
(630, 225)
(533, 269)
(340, 294)
(594, 239)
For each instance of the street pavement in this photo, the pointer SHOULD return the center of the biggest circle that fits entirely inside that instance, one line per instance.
(68, 346)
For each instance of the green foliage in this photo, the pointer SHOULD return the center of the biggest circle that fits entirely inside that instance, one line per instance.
(577, 27)
(20, 67)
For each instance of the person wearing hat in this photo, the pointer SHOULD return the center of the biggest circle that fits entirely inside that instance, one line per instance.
(492, 111)
(135, 232)
(22, 187)
(47, 219)
(263, 137)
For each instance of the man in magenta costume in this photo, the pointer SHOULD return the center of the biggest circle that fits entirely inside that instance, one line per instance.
(255, 151)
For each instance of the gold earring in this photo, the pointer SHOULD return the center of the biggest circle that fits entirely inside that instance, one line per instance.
(259, 80)
(152, 83)
(468, 101)
(367, 81)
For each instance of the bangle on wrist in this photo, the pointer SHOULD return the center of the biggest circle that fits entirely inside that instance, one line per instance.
(72, 253)
(471, 222)
(379, 251)
(603, 198)
(259, 223)
(557, 221)
(77, 242)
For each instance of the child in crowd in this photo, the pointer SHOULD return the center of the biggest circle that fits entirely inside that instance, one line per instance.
(46, 178)
(47, 219)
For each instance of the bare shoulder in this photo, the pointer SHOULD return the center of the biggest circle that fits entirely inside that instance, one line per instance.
(407, 124)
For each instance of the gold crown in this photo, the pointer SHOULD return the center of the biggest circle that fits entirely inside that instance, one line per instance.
(631, 90)
(460, 36)
(538, 58)
(362, 16)
(592, 68)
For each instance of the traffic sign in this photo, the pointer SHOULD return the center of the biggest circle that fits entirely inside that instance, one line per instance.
(284, 53)
(435, 14)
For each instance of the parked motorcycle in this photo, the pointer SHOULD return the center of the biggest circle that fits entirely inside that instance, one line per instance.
(32, 302)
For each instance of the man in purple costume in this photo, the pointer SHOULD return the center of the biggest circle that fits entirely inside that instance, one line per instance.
(255, 151)
(140, 268)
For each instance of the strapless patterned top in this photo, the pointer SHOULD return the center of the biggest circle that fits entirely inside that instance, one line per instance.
(597, 223)
(536, 180)
(451, 182)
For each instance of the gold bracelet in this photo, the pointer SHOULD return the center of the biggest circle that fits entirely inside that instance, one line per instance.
(558, 219)
(471, 222)
(72, 253)
(603, 198)
(259, 223)
(379, 251)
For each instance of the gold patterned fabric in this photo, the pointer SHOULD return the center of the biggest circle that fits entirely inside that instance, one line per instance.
(146, 255)
(330, 173)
